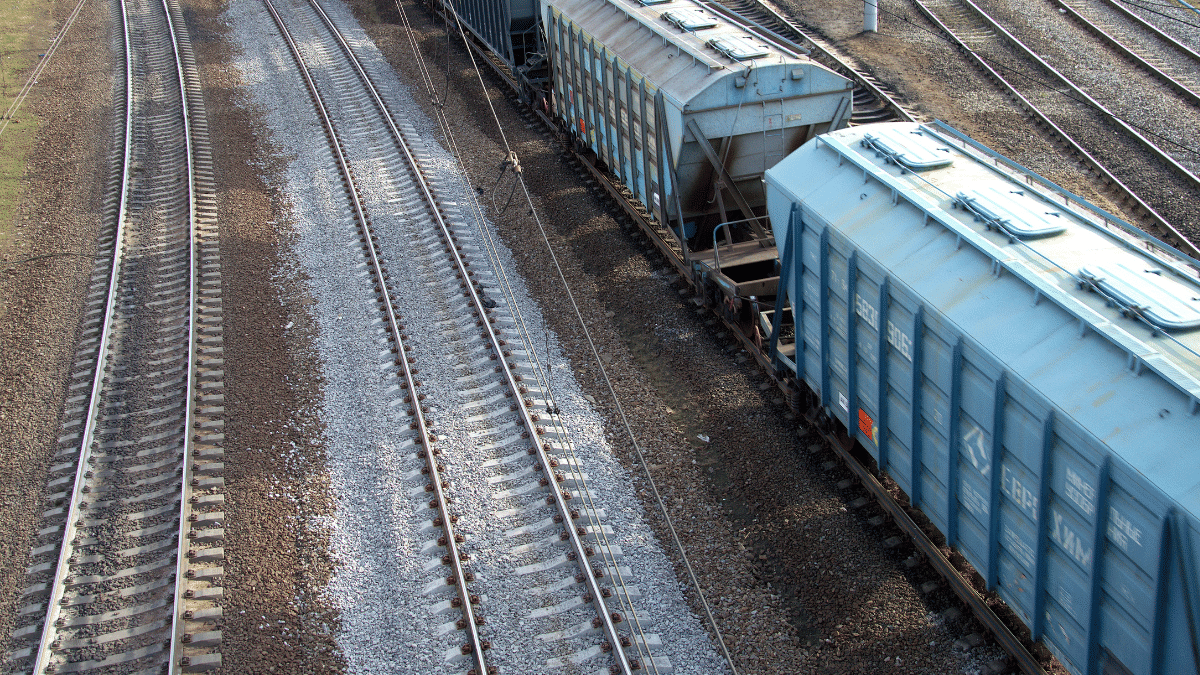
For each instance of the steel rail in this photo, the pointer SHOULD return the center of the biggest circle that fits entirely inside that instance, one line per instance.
(1126, 51)
(175, 665)
(559, 497)
(542, 376)
(1096, 165)
(843, 446)
(1159, 33)
(58, 585)
(454, 556)
(1151, 146)
(729, 9)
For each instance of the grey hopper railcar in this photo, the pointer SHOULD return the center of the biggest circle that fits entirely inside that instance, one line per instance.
(685, 107)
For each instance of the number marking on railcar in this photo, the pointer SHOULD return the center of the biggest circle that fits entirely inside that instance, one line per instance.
(899, 340)
(867, 311)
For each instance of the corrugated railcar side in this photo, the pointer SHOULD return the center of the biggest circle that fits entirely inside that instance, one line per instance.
(1047, 430)
(687, 115)
(508, 27)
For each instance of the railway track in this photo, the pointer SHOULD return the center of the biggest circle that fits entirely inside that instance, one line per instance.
(125, 574)
(873, 101)
(1129, 96)
(481, 418)
(1170, 61)
(1158, 189)
(1177, 18)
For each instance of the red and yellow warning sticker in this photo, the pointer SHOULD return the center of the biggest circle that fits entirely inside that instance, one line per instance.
(868, 426)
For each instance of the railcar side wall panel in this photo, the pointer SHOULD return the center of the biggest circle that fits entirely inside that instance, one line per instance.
(976, 453)
(646, 97)
(508, 28)
(971, 390)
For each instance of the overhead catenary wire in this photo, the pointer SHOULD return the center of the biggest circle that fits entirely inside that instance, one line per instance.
(1146, 6)
(43, 61)
(491, 248)
(541, 373)
(599, 362)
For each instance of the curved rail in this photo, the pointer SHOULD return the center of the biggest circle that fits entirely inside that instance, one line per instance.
(127, 513)
(1151, 213)
(1145, 142)
(186, 650)
(58, 585)
(559, 496)
(1146, 25)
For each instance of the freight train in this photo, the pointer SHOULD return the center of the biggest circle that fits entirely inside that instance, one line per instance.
(1023, 365)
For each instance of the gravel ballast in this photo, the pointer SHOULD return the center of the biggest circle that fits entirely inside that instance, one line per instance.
(678, 380)
(374, 528)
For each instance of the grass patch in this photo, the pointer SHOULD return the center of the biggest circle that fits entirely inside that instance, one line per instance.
(26, 28)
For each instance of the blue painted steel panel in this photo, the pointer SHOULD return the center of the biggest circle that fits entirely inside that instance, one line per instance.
(1047, 431)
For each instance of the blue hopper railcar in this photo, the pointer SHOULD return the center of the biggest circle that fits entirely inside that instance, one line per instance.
(1025, 366)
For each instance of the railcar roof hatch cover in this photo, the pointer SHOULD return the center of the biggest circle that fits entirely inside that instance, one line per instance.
(1012, 211)
(913, 149)
(739, 48)
(1164, 302)
(690, 19)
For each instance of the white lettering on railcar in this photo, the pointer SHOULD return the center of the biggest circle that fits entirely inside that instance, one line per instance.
(1063, 636)
(1070, 540)
(1121, 530)
(1022, 496)
(867, 311)
(975, 442)
(1064, 597)
(974, 501)
(1019, 549)
(1079, 491)
(899, 340)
